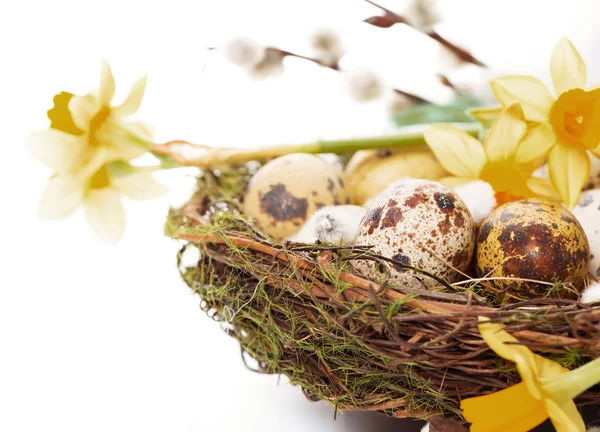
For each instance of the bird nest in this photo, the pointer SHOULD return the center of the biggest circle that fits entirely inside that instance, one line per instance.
(304, 312)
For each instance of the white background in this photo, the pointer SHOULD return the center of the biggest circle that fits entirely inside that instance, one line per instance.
(101, 338)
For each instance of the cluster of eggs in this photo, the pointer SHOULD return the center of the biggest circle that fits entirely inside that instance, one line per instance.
(424, 231)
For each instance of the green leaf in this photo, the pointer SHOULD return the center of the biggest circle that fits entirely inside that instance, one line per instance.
(454, 112)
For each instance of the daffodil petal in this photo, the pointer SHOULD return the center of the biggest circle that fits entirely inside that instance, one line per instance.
(83, 109)
(534, 97)
(503, 344)
(565, 418)
(124, 150)
(543, 187)
(567, 67)
(457, 151)
(62, 196)
(140, 186)
(57, 150)
(134, 99)
(105, 214)
(511, 409)
(569, 168)
(537, 142)
(485, 116)
(505, 134)
(107, 85)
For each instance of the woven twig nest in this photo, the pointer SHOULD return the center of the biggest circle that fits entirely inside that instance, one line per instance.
(301, 311)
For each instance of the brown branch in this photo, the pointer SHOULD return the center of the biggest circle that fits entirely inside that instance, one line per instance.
(336, 67)
(390, 18)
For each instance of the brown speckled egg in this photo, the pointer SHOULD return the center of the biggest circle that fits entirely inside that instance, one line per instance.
(285, 192)
(422, 224)
(532, 239)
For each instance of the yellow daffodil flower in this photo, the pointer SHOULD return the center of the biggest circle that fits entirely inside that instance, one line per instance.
(547, 390)
(95, 186)
(569, 124)
(506, 160)
(87, 139)
(82, 124)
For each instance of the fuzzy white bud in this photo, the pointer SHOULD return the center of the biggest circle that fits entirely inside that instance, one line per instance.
(594, 429)
(332, 224)
(396, 103)
(448, 60)
(327, 45)
(422, 14)
(364, 84)
(479, 197)
(269, 66)
(425, 428)
(243, 52)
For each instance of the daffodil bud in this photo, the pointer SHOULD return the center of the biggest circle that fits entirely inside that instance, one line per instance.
(243, 52)
(364, 84)
(331, 224)
(479, 198)
(327, 46)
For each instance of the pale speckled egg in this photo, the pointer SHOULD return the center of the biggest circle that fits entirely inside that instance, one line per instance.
(420, 223)
(587, 212)
(532, 239)
(286, 191)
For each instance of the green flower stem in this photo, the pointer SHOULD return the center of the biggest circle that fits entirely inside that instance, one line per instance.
(209, 157)
(568, 386)
(130, 136)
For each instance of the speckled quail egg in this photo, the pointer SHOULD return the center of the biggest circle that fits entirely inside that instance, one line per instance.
(420, 223)
(283, 193)
(587, 212)
(371, 171)
(532, 239)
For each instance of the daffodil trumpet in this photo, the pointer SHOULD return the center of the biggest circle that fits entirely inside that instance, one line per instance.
(547, 390)
(205, 157)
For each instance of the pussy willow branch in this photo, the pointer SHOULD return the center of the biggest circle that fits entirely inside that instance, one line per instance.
(336, 67)
(389, 18)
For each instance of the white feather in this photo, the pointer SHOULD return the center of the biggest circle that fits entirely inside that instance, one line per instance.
(332, 224)
(479, 197)
(591, 293)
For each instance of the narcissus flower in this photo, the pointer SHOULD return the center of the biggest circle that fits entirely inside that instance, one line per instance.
(82, 124)
(506, 160)
(98, 188)
(569, 123)
(547, 390)
(87, 137)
